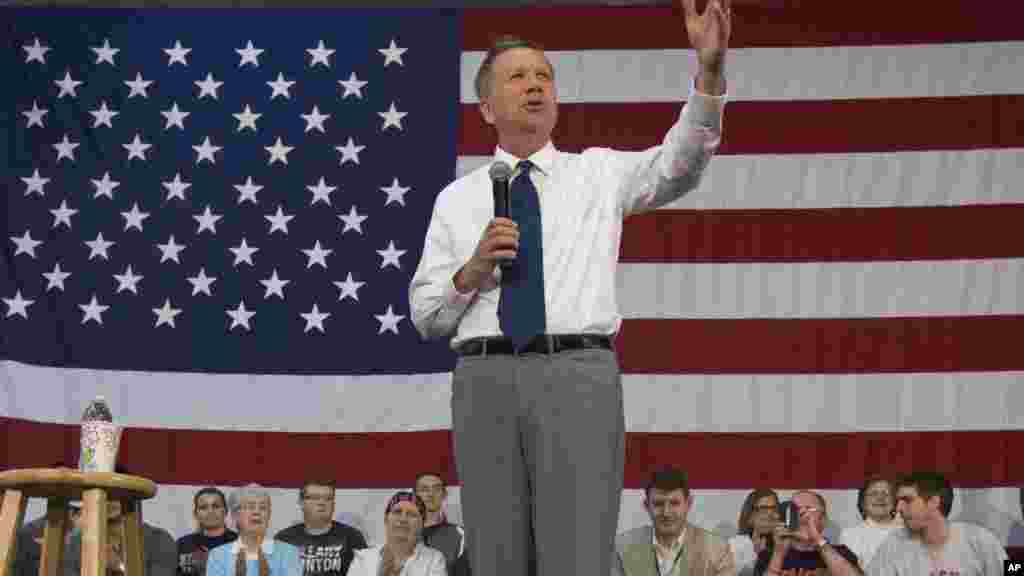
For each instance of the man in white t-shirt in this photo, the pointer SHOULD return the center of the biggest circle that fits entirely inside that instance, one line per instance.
(930, 544)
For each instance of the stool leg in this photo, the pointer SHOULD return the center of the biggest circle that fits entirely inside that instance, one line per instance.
(94, 532)
(133, 541)
(51, 562)
(12, 515)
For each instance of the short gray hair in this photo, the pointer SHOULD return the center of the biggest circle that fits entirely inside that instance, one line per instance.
(247, 491)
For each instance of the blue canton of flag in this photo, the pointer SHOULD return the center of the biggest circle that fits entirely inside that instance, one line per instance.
(223, 190)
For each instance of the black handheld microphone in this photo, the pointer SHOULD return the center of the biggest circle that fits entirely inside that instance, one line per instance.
(501, 173)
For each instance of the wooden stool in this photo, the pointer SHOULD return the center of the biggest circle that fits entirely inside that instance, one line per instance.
(60, 486)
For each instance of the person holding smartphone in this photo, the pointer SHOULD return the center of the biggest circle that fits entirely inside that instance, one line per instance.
(799, 548)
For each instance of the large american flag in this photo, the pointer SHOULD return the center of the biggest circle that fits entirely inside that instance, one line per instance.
(842, 295)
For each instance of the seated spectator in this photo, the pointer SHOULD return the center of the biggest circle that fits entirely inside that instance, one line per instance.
(758, 518)
(670, 545)
(437, 532)
(30, 540)
(325, 546)
(1016, 537)
(876, 502)
(806, 551)
(929, 543)
(402, 552)
(253, 553)
(210, 511)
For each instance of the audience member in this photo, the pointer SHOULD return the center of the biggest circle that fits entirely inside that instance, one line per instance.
(758, 518)
(210, 511)
(402, 552)
(438, 532)
(326, 545)
(253, 553)
(876, 502)
(806, 551)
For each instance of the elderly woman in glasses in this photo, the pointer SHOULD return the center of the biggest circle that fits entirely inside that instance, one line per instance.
(253, 553)
(402, 553)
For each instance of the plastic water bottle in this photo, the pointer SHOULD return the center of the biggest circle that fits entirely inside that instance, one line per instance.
(97, 411)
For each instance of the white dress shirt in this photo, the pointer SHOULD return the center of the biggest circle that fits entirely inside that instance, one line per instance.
(667, 557)
(584, 198)
(425, 561)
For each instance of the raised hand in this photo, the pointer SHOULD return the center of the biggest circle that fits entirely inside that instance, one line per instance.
(709, 33)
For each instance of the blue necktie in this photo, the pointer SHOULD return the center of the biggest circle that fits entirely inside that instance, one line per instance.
(521, 308)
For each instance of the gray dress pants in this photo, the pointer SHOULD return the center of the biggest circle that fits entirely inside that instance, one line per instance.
(539, 447)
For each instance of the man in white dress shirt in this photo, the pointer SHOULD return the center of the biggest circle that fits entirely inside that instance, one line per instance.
(536, 393)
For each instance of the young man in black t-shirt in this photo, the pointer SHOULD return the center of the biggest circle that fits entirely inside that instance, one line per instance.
(210, 512)
(326, 545)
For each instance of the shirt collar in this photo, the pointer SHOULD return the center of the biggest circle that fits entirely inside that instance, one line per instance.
(268, 546)
(543, 159)
(675, 545)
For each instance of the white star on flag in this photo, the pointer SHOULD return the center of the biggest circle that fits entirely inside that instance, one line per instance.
(207, 221)
(103, 115)
(391, 256)
(395, 192)
(35, 52)
(392, 117)
(247, 191)
(93, 311)
(349, 151)
(320, 55)
(99, 247)
(170, 250)
(35, 115)
(66, 149)
(105, 187)
(137, 148)
(134, 218)
(247, 119)
(279, 221)
(249, 55)
(63, 214)
(321, 192)
(243, 253)
(353, 220)
(280, 87)
(353, 86)
(392, 54)
(138, 86)
(201, 283)
(349, 288)
(35, 183)
(17, 306)
(208, 87)
(177, 54)
(105, 53)
(25, 244)
(56, 278)
(315, 319)
(176, 188)
(240, 316)
(127, 281)
(315, 120)
(67, 86)
(166, 314)
(317, 255)
(275, 286)
(175, 117)
(278, 152)
(206, 151)
(388, 321)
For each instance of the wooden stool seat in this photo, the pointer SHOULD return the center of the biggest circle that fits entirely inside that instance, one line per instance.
(60, 486)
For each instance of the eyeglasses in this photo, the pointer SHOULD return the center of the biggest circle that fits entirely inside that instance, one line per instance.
(766, 508)
(255, 507)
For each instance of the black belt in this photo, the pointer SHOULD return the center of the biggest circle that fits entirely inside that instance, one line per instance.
(541, 344)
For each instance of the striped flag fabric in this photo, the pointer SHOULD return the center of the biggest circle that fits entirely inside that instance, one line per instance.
(843, 295)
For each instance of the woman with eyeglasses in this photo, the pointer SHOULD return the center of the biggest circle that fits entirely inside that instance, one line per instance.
(253, 553)
(758, 517)
(402, 554)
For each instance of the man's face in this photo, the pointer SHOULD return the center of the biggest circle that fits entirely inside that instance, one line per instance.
(668, 510)
(210, 512)
(317, 504)
(915, 510)
(805, 501)
(431, 489)
(522, 96)
(878, 500)
(404, 520)
(253, 514)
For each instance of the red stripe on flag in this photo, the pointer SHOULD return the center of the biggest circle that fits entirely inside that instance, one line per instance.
(757, 24)
(825, 235)
(821, 346)
(391, 460)
(788, 127)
